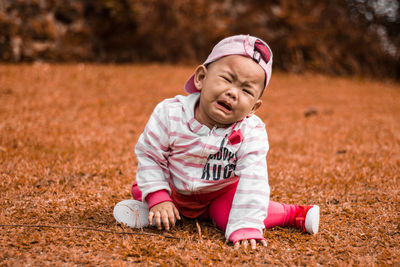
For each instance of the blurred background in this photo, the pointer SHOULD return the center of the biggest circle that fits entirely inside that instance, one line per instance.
(353, 37)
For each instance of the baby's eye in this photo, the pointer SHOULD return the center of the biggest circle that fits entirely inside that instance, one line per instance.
(226, 78)
(247, 91)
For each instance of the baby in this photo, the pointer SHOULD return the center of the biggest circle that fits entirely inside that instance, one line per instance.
(204, 155)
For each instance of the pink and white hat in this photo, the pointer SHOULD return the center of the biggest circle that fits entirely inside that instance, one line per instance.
(245, 45)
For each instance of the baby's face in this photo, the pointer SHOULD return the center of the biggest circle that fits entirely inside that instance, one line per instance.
(230, 90)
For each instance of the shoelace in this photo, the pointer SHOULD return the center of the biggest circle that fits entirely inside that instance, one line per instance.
(138, 220)
(300, 223)
(300, 218)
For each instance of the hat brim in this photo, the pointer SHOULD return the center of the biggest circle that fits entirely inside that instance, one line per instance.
(190, 87)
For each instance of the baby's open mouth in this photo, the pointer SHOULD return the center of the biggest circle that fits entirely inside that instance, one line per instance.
(225, 105)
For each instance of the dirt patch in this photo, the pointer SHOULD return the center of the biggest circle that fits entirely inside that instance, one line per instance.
(67, 134)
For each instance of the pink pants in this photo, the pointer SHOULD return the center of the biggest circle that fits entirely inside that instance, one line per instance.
(220, 205)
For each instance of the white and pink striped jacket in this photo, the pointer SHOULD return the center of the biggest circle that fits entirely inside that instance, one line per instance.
(176, 149)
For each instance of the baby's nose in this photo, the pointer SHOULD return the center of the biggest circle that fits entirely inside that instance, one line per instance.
(232, 93)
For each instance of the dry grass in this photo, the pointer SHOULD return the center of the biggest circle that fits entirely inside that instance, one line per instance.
(67, 134)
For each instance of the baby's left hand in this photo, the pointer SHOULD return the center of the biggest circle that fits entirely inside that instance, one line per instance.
(253, 243)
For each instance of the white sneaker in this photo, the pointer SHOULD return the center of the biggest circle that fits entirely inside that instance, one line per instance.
(312, 220)
(132, 213)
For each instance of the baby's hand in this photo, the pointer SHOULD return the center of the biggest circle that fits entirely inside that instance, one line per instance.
(253, 243)
(164, 213)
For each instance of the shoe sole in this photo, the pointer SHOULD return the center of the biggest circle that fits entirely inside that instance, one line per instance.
(312, 220)
(132, 213)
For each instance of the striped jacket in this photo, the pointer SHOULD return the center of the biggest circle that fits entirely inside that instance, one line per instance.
(176, 149)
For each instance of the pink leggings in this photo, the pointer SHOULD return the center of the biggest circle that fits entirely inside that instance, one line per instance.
(278, 214)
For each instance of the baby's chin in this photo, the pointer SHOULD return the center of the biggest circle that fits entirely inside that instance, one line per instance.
(223, 120)
(226, 123)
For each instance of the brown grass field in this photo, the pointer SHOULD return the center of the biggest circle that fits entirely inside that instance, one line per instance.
(67, 134)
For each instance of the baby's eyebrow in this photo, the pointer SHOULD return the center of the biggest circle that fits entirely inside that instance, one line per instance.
(249, 84)
(233, 76)
(246, 83)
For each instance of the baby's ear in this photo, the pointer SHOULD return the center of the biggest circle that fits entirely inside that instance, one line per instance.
(199, 75)
(256, 106)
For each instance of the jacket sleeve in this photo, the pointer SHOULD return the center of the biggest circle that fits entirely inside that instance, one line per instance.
(250, 203)
(152, 151)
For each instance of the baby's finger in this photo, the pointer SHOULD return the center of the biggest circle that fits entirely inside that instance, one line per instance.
(264, 242)
(176, 212)
(245, 243)
(164, 217)
(253, 244)
(157, 216)
(151, 216)
(237, 245)
(171, 217)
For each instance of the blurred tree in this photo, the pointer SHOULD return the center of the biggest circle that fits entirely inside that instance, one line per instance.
(381, 20)
(349, 37)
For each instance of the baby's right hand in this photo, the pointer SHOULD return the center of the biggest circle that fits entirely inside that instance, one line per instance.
(164, 213)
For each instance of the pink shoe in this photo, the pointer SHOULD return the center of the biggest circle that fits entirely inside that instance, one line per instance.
(307, 219)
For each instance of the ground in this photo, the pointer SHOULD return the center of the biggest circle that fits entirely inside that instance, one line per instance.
(67, 134)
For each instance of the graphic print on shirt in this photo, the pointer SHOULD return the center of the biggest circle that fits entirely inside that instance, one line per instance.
(220, 165)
